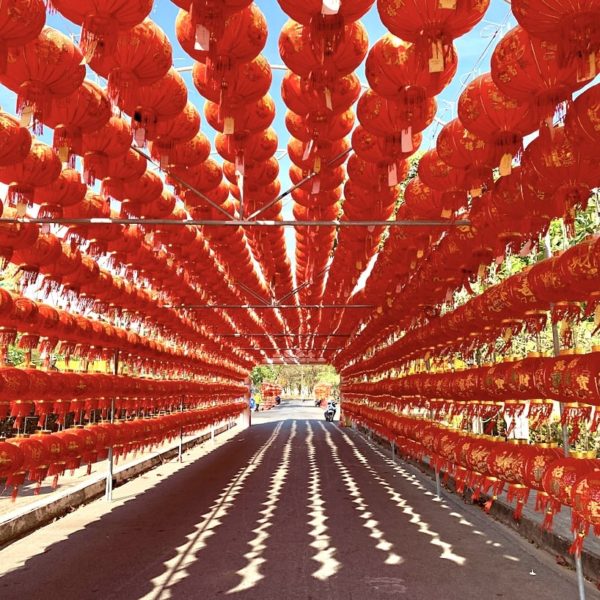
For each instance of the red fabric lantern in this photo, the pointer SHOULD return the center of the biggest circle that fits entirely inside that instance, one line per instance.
(430, 24)
(383, 117)
(581, 123)
(40, 168)
(528, 70)
(464, 150)
(306, 57)
(574, 27)
(222, 37)
(15, 141)
(48, 67)
(101, 21)
(141, 56)
(500, 120)
(20, 23)
(395, 67)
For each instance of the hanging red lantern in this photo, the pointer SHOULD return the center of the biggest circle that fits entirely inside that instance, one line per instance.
(322, 64)
(500, 120)
(384, 117)
(431, 25)
(318, 126)
(185, 154)
(148, 104)
(573, 27)
(394, 67)
(48, 67)
(376, 149)
(241, 84)
(34, 454)
(181, 128)
(581, 123)
(462, 149)
(140, 56)
(67, 190)
(86, 109)
(560, 477)
(313, 11)
(101, 22)
(222, 37)
(15, 141)
(40, 168)
(559, 168)
(259, 146)
(528, 70)
(301, 97)
(438, 175)
(109, 141)
(20, 23)
(245, 121)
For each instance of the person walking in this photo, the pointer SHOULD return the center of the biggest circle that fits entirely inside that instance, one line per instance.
(257, 401)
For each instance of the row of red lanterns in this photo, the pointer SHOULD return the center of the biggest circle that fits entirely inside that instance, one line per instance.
(488, 465)
(557, 286)
(47, 454)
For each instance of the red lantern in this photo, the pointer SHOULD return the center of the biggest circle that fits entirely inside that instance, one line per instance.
(394, 67)
(430, 24)
(384, 117)
(101, 22)
(159, 101)
(573, 26)
(581, 123)
(305, 56)
(141, 56)
(15, 141)
(48, 67)
(236, 36)
(20, 23)
(500, 120)
(464, 150)
(39, 168)
(528, 70)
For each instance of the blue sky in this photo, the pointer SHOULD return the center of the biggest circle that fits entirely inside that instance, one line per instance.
(470, 50)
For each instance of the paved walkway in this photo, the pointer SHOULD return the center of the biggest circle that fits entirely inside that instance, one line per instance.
(293, 508)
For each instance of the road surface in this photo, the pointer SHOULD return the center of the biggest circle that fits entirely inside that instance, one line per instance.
(293, 508)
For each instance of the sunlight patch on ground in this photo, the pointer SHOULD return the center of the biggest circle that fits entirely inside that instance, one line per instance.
(329, 566)
(415, 518)
(361, 506)
(176, 568)
(251, 574)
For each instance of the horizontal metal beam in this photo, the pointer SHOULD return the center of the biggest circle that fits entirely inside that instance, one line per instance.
(272, 306)
(208, 223)
(250, 334)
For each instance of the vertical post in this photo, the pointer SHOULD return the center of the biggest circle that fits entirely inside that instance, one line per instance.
(394, 450)
(565, 433)
(180, 451)
(438, 485)
(109, 475)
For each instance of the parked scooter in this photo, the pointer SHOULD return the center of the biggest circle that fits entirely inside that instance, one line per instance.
(330, 411)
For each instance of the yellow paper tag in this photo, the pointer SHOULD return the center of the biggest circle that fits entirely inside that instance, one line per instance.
(505, 165)
(446, 213)
(228, 126)
(449, 4)
(26, 116)
(63, 154)
(507, 334)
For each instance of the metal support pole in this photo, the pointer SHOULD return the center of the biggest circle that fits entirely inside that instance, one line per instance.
(565, 433)
(180, 449)
(109, 476)
(438, 485)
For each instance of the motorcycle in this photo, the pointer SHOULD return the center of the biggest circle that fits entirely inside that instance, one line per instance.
(330, 412)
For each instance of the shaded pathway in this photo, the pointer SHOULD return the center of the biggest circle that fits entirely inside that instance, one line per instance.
(299, 510)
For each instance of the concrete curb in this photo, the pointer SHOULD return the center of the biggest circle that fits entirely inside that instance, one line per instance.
(527, 528)
(57, 504)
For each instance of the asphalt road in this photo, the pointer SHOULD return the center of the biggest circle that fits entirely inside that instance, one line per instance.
(295, 508)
